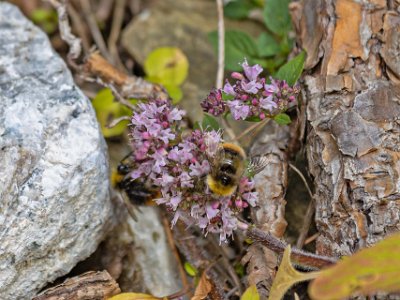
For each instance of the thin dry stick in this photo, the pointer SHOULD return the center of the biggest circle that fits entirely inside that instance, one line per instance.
(79, 26)
(251, 128)
(221, 44)
(115, 122)
(118, 15)
(74, 43)
(294, 168)
(94, 29)
(221, 61)
(172, 245)
(303, 258)
(305, 227)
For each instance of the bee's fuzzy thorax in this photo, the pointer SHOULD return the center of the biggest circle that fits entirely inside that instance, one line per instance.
(234, 148)
(219, 189)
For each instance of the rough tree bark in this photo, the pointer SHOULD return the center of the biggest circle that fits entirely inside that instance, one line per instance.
(352, 92)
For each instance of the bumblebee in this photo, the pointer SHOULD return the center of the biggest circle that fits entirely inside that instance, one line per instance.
(228, 166)
(136, 192)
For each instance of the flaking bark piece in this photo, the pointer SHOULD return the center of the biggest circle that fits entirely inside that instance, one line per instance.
(90, 285)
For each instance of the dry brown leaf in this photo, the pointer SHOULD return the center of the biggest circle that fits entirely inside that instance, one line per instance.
(203, 289)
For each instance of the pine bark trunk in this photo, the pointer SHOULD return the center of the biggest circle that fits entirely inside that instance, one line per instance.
(352, 94)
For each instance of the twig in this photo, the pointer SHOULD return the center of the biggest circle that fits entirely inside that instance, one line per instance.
(228, 129)
(121, 99)
(311, 238)
(172, 245)
(74, 43)
(221, 44)
(115, 122)
(298, 256)
(294, 168)
(228, 266)
(251, 128)
(91, 285)
(305, 227)
(115, 32)
(221, 61)
(94, 29)
(79, 26)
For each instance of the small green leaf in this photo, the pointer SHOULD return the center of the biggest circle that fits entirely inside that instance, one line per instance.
(45, 18)
(282, 119)
(197, 125)
(267, 45)
(175, 92)
(167, 66)
(239, 269)
(227, 97)
(251, 293)
(276, 16)
(238, 9)
(191, 270)
(210, 123)
(287, 276)
(253, 119)
(107, 110)
(371, 270)
(291, 71)
(238, 46)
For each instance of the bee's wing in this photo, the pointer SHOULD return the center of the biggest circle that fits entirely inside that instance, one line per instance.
(129, 207)
(128, 159)
(258, 163)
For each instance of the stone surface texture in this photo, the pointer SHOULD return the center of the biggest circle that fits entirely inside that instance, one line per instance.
(54, 190)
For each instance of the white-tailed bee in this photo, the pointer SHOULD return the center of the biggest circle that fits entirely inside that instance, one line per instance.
(228, 166)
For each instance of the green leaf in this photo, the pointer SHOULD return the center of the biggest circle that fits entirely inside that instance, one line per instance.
(210, 123)
(41, 15)
(251, 293)
(239, 269)
(107, 110)
(197, 125)
(282, 119)
(291, 71)
(238, 46)
(167, 66)
(253, 119)
(175, 92)
(287, 276)
(367, 272)
(191, 270)
(276, 16)
(267, 45)
(47, 19)
(238, 9)
(227, 97)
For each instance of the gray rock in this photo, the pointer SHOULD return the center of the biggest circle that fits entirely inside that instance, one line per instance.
(54, 198)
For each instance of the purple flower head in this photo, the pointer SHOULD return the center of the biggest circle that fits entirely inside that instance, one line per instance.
(214, 104)
(251, 72)
(228, 89)
(268, 103)
(178, 164)
(238, 109)
(251, 87)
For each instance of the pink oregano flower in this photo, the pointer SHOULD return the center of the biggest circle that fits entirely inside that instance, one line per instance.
(178, 163)
(251, 96)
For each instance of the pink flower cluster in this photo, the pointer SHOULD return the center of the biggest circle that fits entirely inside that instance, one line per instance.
(178, 164)
(251, 96)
